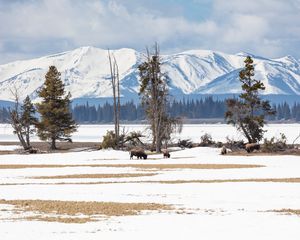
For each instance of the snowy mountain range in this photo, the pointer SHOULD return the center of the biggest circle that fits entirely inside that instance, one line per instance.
(86, 74)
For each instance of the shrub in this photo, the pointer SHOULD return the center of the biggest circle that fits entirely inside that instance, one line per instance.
(185, 143)
(133, 138)
(233, 144)
(218, 144)
(109, 140)
(275, 144)
(206, 140)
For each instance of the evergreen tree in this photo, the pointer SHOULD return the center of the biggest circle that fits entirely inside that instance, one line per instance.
(248, 112)
(28, 119)
(191, 109)
(279, 112)
(286, 111)
(22, 119)
(154, 92)
(4, 115)
(297, 117)
(273, 116)
(56, 121)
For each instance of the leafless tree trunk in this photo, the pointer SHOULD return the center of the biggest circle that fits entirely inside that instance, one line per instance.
(296, 139)
(118, 99)
(115, 82)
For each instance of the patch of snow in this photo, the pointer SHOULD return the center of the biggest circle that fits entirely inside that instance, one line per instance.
(9, 147)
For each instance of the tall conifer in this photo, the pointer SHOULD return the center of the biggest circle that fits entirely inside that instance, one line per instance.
(28, 118)
(248, 112)
(56, 119)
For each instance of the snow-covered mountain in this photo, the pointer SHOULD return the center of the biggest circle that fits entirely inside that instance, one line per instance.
(85, 72)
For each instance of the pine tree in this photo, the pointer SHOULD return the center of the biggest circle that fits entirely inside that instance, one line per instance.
(286, 111)
(248, 112)
(297, 117)
(22, 119)
(154, 96)
(153, 92)
(56, 119)
(28, 118)
(279, 112)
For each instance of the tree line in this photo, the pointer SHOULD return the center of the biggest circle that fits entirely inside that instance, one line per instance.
(190, 109)
(4, 115)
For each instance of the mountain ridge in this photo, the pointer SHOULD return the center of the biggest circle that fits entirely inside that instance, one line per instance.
(86, 74)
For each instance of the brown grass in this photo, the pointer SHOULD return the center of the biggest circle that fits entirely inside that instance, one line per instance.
(185, 166)
(62, 146)
(287, 211)
(61, 219)
(120, 175)
(4, 152)
(140, 166)
(73, 208)
(295, 152)
(279, 180)
(272, 180)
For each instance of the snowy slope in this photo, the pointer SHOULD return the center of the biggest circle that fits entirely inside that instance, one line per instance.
(86, 73)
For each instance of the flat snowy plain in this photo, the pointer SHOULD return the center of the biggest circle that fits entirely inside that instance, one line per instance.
(219, 132)
(223, 209)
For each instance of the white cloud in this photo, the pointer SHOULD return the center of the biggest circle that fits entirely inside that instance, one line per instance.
(245, 28)
(266, 27)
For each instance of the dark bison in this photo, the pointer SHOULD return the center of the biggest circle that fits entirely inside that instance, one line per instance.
(250, 147)
(139, 153)
(223, 150)
(165, 153)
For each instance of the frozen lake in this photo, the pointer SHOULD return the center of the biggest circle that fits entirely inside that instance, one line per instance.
(219, 132)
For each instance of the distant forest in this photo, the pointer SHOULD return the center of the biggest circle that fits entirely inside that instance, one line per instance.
(207, 108)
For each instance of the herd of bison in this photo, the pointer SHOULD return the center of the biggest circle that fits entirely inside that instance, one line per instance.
(139, 153)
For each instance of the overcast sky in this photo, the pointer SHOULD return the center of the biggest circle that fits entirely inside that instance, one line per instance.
(33, 28)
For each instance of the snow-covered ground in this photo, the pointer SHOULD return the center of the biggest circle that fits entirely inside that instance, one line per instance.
(228, 210)
(219, 132)
(9, 147)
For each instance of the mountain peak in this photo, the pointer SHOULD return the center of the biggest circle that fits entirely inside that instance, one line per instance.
(85, 72)
(289, 59)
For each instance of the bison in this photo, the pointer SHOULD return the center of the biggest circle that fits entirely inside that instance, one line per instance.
(165, 153)
(139, 153)
(250, 147)
(223, 150)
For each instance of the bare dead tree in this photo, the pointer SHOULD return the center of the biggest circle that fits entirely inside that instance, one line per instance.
(115, 82)
(118, 97)
(296, 139)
